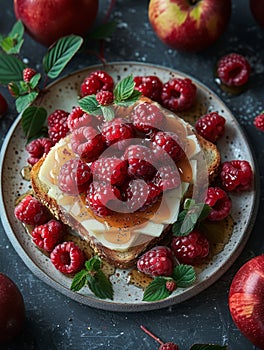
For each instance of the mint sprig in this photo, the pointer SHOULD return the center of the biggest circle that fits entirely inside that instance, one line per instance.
(12, 43)
(124, 95)
(94, 277)
(189, 217)
(183, 275)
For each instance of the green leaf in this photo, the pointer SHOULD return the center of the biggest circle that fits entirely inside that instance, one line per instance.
(124, 89)
(189, 202)
(93, 264)
(22, 102)
(34, 80)
(79, 280)
(156, 290)
(103, 31)
(108, 113)
(33, 119)
(60, 54)
(131, 100)
(90, 105)
(208, 347)
(11, 69)
(184, 275)
(205, 212)
(13, 42)
(100, 285)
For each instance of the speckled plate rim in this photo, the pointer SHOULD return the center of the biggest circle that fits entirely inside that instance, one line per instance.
(139, 306)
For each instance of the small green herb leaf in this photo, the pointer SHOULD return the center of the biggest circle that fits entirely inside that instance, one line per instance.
(93, 264)
(33, 119)
(11, 69)
(208, 347)
(13, 42)
(124, 89)
(103, 31)
(100, 285)
(184, 275)
(79, 280)
(108, 113)
(22, 102)
(90, 105)
(132, 99)
(156, 290)
(34, 81)
(60, 54)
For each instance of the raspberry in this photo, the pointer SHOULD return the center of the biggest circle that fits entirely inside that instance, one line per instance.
(97, 81)
(167, 142)
(171, 285)
(220, 203)
(147, 117)
(102, 199)
(78, 118)
(190, 249)
(31, 212)
(67, 257)
(104, 98)
(140, 160)
(139, 195)
(211, 126)
(28, 74)
(48, 235)
(57, 125)
(87, 143)
(259, 121)
(233, 70)
(3, 105)
(178, 94)
(168, 346)
(75, 176)
(37, 148)
(156, 262)
(112, 170)
(236, 175)
(167, 178)
(117, 130)
(150, 86)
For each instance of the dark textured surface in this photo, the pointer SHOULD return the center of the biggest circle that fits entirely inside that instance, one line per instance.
(55, 322)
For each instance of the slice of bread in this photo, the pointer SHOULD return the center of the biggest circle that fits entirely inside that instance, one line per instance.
(152, 230)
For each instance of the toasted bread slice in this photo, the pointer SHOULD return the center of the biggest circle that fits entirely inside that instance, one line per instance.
(117, 239)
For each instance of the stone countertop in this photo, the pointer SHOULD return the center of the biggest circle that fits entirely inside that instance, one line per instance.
(54, 321)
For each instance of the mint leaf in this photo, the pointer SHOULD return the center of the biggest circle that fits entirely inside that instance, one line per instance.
(208, 347)
(79, 280)
(11, 69)
(13, 42)
(93, 264)
(90, 105)
(184, 275)
(22, 102)
(60, 54)
(103, 31)
(156, 290)
(100, 285)
(108, 113)
(124, 89)
(32, 120)
(34, 81)
(131, 100)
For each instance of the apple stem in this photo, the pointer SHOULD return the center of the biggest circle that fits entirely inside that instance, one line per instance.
(151, 335)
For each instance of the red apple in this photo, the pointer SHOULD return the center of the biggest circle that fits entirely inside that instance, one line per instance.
(246, 300)
(257, 9)
(48, 20)
(189, 25)
(12, 309)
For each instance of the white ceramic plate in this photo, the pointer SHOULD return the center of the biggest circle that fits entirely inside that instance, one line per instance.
(63, 94)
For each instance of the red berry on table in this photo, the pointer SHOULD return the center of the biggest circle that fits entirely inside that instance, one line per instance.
(163, 346)
(211, 126)
(75, 176)
(233, 70)
(167, 142)
(37, 148)
(48, 235)
(3, 105)
(236, 175)
(67, 257)
(140, 161)
(112, 170)
(220, 203)
(104, 98)
(178, 94)
(259, 121)
(190, 249)
(31, 212)
(150, 86)
(78, 118)
(87, 142)
(97, 81)
(157, 262)
(58, 125)
(28, 74)
(147, 117)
